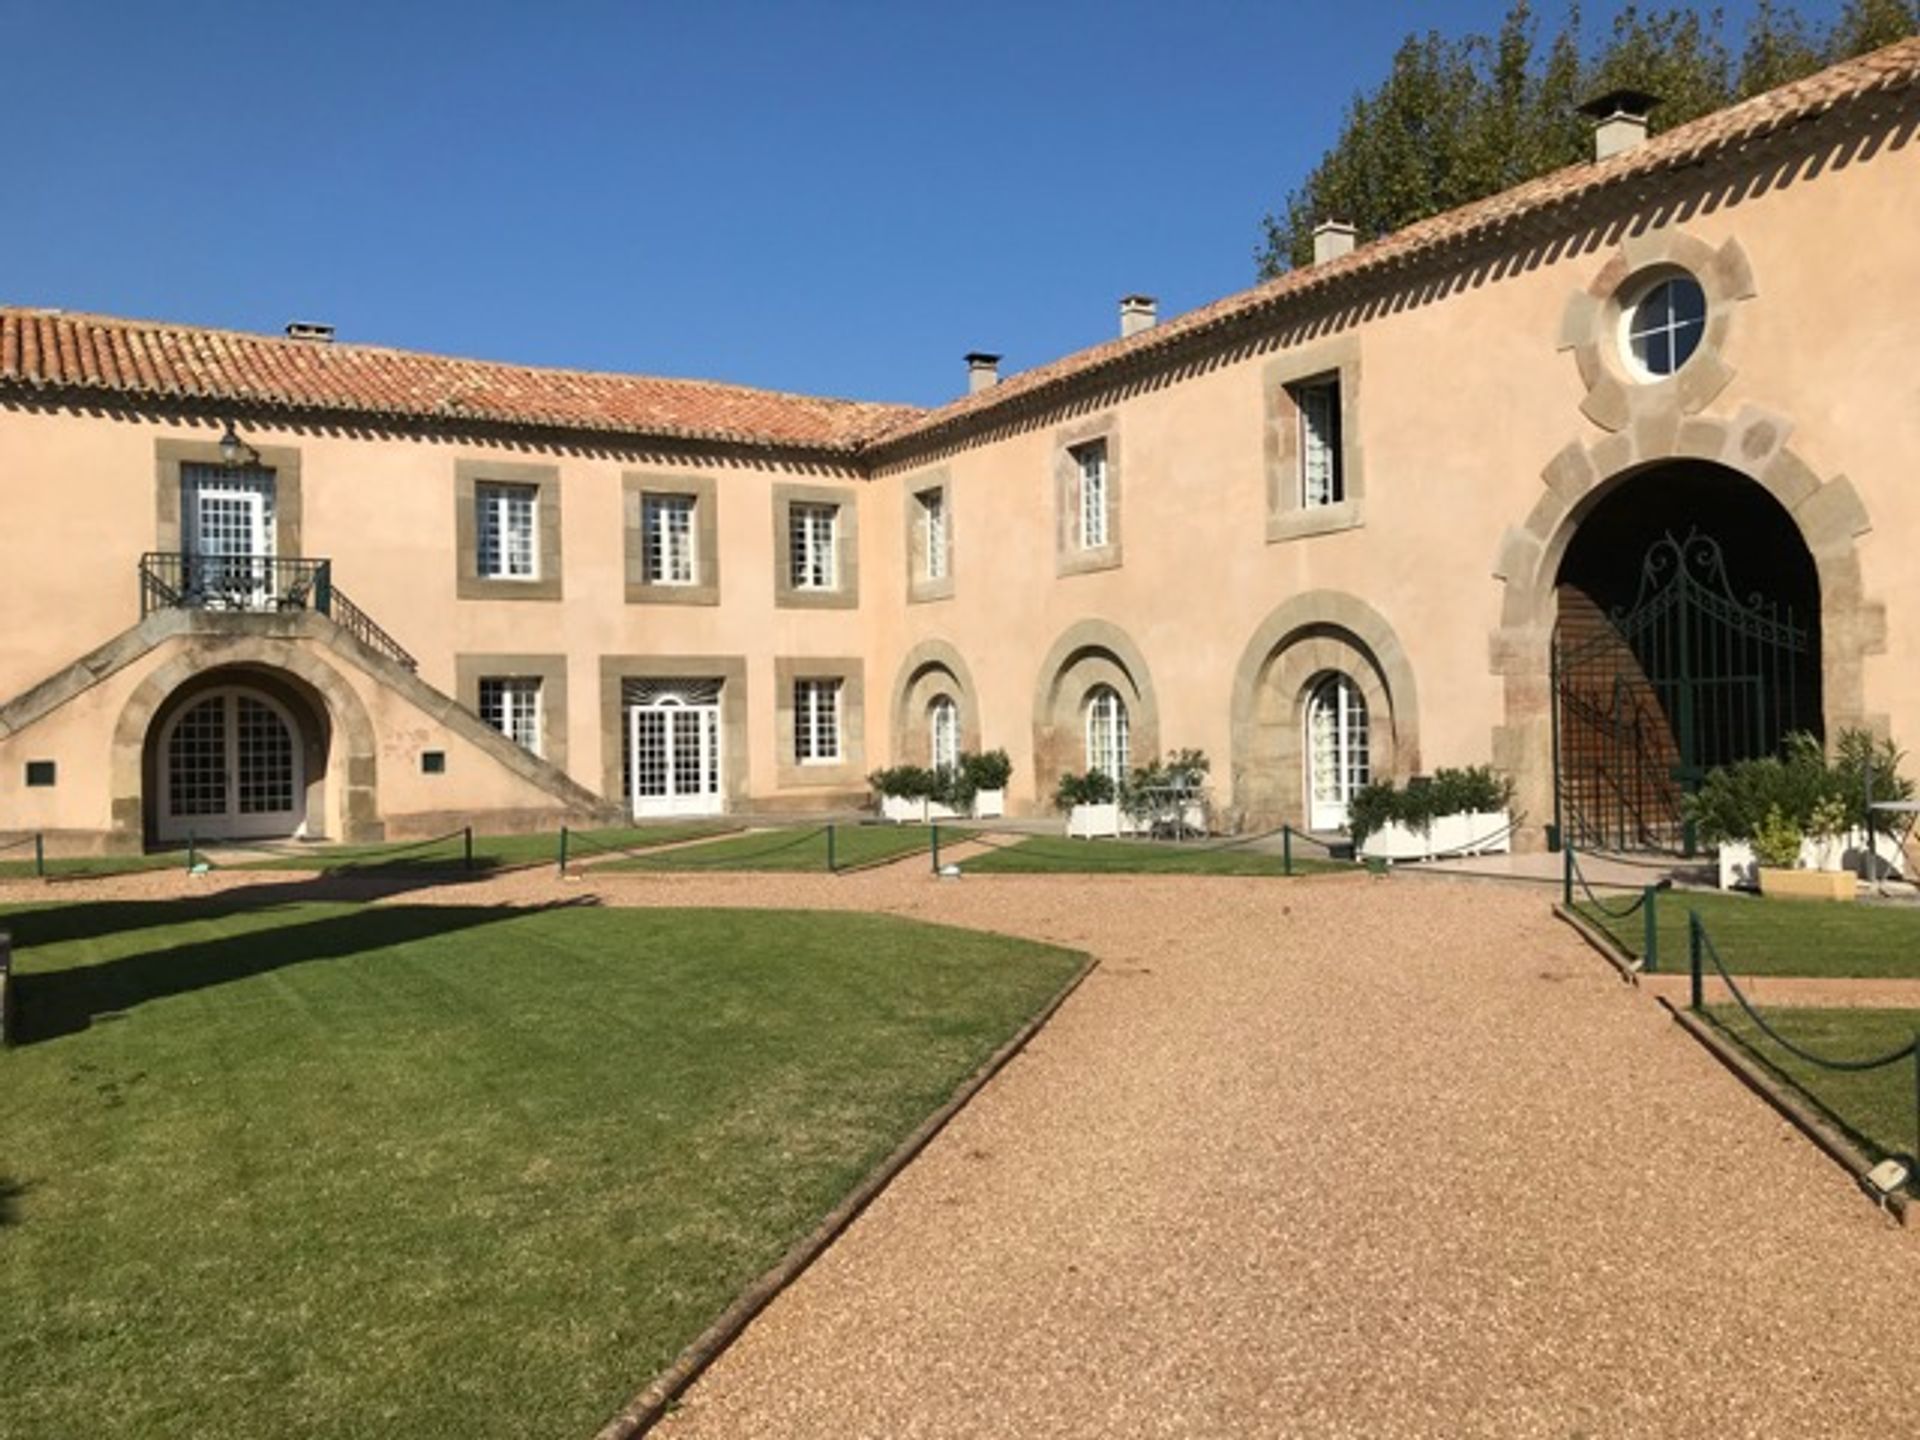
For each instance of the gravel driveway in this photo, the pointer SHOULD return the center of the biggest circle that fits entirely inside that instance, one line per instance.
(1319, 1157)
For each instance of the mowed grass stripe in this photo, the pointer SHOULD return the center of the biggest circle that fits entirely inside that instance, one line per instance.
(1755, 935)
(471, 1172)
(1055, 855)
(789, 848)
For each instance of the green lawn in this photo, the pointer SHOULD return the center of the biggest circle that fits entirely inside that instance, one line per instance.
(1876, 1106)
(78, 865)
(1053, 854)
(1757, 936)
(343, 1171)
(490, 852)
(791, 847)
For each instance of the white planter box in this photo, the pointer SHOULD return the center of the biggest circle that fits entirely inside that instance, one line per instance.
(989, 804)
(1842, 852)
(1092, 822)
(1472, 832)
(903, 810)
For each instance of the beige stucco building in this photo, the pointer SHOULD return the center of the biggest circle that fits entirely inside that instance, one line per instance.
(1323, 530)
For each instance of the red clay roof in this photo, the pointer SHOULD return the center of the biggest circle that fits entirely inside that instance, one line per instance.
(1893, 68)
(49, 350)
(44, 349)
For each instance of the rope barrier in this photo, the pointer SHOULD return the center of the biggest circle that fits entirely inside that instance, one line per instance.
(353, 858)
(1706, 946)
(20, 844)
(1088, 854)
(1593, 898)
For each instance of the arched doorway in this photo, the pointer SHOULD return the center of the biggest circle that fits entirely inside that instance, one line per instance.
(1687, 637)
(1336, 749)
(231, 765)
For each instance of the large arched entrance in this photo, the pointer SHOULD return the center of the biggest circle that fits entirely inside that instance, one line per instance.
(1687, 637)
(236, 753)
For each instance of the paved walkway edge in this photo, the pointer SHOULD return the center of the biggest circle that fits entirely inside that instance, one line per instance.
(1830, 1140)
(1610, 952)
(647, 1408)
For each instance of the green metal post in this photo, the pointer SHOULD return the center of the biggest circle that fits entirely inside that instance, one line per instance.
(190, 852)
(466, 847)
(936, 847)
(563, 852)
(40, 854)
(1652, 946)
(323, 588)
(1694, 948)
(1566, 873)
(831, 866)
(1286, 850)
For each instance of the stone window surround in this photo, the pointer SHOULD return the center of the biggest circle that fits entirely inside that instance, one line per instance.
(1070, 558)
(469, 584)
(1334, 359)
(635, 486)
(729, 670)
(1592, 327)
(920, 589)
(931, 668)
(850, 671)
(550, 670)
(171, 455)
(846, 547)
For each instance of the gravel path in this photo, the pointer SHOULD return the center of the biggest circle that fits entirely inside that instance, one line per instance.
(1323, 1158)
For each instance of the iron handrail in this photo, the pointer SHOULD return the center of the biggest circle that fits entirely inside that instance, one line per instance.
(174, 580)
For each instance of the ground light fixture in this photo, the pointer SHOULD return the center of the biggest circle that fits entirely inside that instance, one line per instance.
(1886, 1177)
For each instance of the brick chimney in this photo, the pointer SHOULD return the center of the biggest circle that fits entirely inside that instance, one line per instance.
(983, 371)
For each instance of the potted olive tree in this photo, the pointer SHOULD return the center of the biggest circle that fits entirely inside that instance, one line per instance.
(987, 773)
(1454, 812)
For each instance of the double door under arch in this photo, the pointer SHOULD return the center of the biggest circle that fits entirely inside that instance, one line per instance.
(230, 767)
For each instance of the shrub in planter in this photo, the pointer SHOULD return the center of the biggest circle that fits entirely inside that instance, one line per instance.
(989, 770)
(1096, 787)
(1735, 800)
(1776, 841)
(904, 782)
(1473, 789)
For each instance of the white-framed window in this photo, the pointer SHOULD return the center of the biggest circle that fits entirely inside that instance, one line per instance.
(933, 532)
(1665, 325)
(1096, 499)
(511, 704)
(943, 732)
(506, 530)
(1337, 762)
(1322, 469)
(810, 532)
(669, 532)
(816, 722)
(1107, 738)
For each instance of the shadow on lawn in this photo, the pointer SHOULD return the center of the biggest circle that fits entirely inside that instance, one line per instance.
(52, 1003)
(69, 914)
(10, 1192)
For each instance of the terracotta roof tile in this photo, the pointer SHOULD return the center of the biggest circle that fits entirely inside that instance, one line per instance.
(51, 350)
(1893, 68)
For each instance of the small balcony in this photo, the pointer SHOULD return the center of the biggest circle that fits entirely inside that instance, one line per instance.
(258, 584)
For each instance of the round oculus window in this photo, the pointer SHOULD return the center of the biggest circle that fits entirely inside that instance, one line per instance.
(1665, 324)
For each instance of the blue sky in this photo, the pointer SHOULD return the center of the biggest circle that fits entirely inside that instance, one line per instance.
(838, 198)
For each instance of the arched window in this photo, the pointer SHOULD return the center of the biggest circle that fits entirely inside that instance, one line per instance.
(943, 732)
(1665, 325)
(1336, 750)
(1107, 732)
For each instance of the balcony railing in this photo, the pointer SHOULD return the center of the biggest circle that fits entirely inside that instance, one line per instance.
(255, 583)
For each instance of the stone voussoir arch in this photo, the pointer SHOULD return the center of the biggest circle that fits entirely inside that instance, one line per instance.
(1088, 653)
(1828, 512)
(1307, 636)
(930, 668)
(359, 794)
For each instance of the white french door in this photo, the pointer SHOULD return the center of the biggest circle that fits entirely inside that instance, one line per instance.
(673, 751)
(230, 768)
(1336, 751)
(228, 532)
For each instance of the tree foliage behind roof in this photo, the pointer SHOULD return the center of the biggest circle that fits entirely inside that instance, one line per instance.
(1458, 119)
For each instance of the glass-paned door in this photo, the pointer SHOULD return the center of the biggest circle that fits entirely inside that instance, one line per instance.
(673, 748)
(230, 768)
(227, 529)
(1336, 751)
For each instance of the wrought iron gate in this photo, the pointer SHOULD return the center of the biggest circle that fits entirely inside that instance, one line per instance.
(1649, 698)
